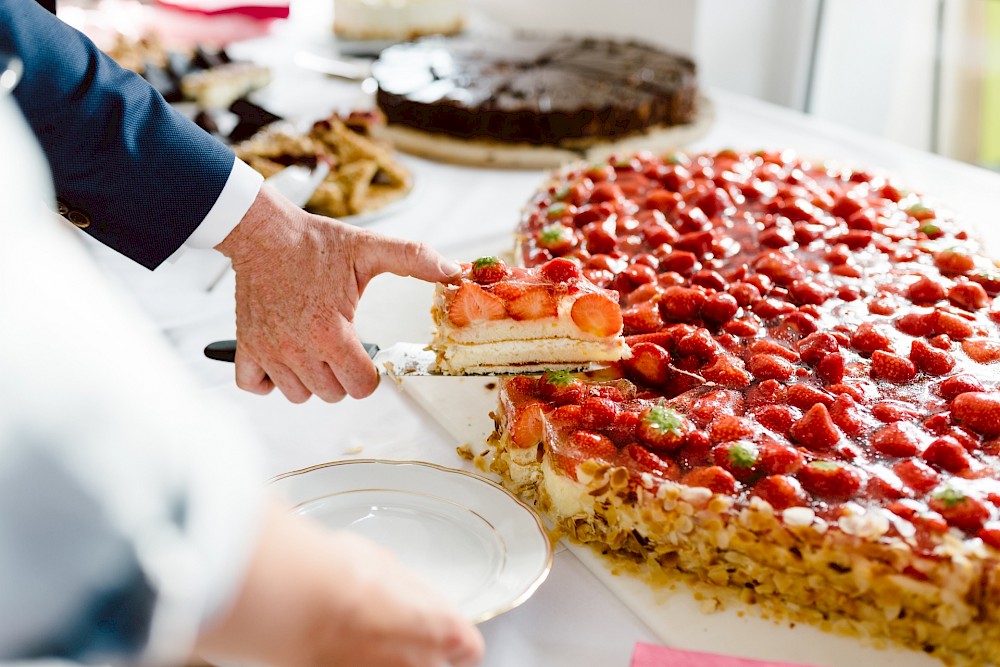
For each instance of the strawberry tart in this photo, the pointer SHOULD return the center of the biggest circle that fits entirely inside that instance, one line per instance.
(810, 417)
(498, 319)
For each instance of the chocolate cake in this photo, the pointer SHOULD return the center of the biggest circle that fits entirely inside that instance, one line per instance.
(540, 91)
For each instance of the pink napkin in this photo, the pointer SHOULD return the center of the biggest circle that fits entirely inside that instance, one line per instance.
(650, 655)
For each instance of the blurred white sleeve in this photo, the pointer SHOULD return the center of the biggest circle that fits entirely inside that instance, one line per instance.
(129, 502)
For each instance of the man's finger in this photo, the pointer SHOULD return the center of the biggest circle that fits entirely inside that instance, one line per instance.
(250, 376)
(322, 381)
(354, 368)
(288, 383)
(411, 258)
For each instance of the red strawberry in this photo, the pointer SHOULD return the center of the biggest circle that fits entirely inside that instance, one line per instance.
(638, 460)
(804, 396)
(596, 314)
(662, 428)
(916, 474)
(598, 413)
(520, 388)
(959, 384)
(900, 439)
(948, 454)
(830, 369)
(925, 290)
(713, 478)
(768, 392)
(582, 446)
(916, 324)
(739, 457)
(962, 511)
(473, 304)
(649, 364)
(727, 371)
(894, 411)
(770, 367)
(831, 480)
(969, 296)
(489, 270)
(780, 266)
(779, 459)
(845, 414)
(807, 291)
(642, 318)
(867, 339)
(528, 425)
(681, 303)
(558, 239)
(990, 534)
(534, 304)
(777, 418)
(781, 492)
(930, 359)
(982, 350)
(892, 367)
(730, 427)
(561, 388)
(560, 270)
(698, 343)
(765, 346)
(816, 429)
(978, 410)
(719, 308)
(713, 405)
(955, 326)
(599, 239)
(953, 261)
(566, 416)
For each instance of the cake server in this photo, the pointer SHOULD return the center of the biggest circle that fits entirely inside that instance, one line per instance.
(397, 359)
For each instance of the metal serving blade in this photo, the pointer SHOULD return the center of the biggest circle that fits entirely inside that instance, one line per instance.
(401, 359)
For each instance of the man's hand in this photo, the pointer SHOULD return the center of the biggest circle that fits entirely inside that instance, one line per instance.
(313, 598)
(298, 281)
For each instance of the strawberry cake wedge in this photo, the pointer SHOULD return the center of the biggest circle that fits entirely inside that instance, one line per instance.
(810, 416)
(498, 319)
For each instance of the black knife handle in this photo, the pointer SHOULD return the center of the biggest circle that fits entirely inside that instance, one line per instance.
(225, 350)
(221, 350)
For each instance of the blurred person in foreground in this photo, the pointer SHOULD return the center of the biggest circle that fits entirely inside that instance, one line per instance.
(133, 524)
(136, 175)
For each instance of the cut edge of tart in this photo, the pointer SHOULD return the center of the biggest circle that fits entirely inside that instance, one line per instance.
(810, 416)
(495, 319)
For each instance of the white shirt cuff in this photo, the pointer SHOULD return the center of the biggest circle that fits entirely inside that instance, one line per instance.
(233, 203)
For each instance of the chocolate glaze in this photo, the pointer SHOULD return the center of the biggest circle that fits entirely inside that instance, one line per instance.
(539, 90)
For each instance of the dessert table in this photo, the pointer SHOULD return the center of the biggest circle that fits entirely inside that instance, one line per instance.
(574, 618)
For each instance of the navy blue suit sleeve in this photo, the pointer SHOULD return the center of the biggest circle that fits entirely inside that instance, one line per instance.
(144, 175)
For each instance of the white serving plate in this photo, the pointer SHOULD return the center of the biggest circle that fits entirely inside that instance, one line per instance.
(471, 539)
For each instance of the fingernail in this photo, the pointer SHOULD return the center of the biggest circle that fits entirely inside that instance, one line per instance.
(450, 268)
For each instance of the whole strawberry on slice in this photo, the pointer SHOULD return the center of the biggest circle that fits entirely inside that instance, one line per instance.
(535, 303)
(473, 304)
(978, 410)
(561, 388)
(831, 480)
(596, 314)
(598, 413)
(582, 446)
(899, 439)
(663, 428)
(930, 359)
(489, 270)
(639, 460)
(892, 367)
(963, 511)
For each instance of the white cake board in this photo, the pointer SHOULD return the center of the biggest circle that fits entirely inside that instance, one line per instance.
(462, 407)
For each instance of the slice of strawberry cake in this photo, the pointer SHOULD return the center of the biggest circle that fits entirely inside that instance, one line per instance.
(498, 319)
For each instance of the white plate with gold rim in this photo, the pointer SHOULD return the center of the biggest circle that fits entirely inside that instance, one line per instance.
(475, 542)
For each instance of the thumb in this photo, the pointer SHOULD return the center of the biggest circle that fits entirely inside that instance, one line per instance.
(413, 259)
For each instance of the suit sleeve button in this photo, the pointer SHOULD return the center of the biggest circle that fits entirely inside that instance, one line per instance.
(79, 219)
